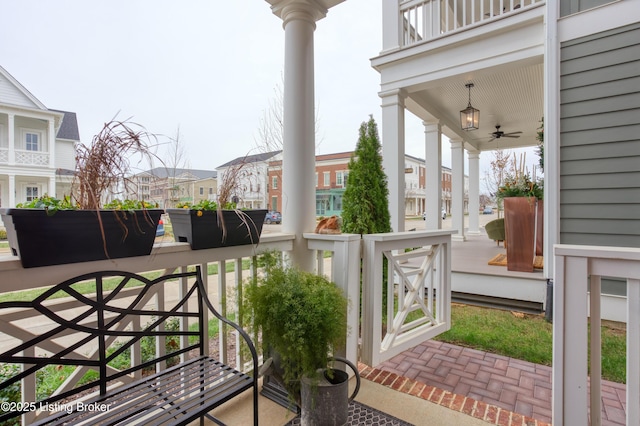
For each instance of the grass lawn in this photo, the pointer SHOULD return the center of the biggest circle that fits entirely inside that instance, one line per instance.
(527, 337)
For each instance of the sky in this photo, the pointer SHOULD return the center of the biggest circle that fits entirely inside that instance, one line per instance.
(206, 68)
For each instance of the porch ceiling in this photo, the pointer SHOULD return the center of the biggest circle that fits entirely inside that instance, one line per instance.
(503, 57)
(509, 96)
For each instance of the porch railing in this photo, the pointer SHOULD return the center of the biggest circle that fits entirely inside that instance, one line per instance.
(577, 296)
(421, 278)
(422, 20)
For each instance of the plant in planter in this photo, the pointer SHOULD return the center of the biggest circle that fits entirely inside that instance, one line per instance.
(211, 224)
(50, 231)
(302, 319)
(522, 197)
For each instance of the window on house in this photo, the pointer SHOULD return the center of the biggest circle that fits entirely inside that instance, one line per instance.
(339, 179)
(31, 141)
(31, 193)
(316, 179)
(337, 203)
(210, 191)
(327, 179)
(201, 190)
(274, 182)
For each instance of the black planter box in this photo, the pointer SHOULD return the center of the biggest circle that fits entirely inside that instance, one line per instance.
(202, 230)
(70, 236)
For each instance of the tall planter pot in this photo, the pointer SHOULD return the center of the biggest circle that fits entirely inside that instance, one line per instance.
(204, 229)
(70, 236)
(520, 226)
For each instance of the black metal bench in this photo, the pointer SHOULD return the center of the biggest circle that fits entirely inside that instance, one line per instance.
(94, 336)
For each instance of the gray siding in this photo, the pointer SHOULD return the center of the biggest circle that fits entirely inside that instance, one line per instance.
(600, 139)
(568, 7)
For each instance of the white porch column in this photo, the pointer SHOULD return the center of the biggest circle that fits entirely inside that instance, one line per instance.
(457, 189)
(433, 174)
(393, 153)
(51, 141)
(11, 134)
(474, 192)
(12, 190)
(52, 186)
(298, 155)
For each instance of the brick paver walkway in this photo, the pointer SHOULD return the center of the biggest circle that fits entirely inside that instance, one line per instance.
(498, 389)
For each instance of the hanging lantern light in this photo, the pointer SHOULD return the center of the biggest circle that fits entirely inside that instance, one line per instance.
(470, 117)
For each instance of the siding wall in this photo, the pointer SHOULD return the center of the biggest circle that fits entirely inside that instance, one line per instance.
(600, 139)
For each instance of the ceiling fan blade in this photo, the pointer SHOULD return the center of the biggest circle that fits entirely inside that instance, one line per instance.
(510, 136)
(493, 138)
(512, 133)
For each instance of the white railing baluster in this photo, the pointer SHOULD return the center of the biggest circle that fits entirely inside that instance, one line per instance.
(239, 279)
(633, 351)
(222, 308)
(595, 365)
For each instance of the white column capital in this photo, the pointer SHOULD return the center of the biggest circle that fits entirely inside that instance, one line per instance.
(291, 10)
(456, 143)
(473, 155)
(432, 126)
(393, 97)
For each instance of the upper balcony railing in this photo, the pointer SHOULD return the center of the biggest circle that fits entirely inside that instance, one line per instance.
(421, 20)
(25, 157)
(577, 388)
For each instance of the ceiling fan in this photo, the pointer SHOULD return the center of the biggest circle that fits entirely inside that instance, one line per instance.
(498, 134)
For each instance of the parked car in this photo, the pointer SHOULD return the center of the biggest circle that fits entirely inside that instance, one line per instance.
(160, 229)
(273, 217)
(444, 215)
(487, 210)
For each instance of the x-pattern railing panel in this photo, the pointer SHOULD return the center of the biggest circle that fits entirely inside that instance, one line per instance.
(414, 292)
(418, 291)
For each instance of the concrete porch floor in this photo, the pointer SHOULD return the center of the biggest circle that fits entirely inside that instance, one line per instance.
(399, 404)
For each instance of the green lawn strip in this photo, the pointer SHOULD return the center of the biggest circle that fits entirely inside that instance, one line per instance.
(526, 337)
(89, 287)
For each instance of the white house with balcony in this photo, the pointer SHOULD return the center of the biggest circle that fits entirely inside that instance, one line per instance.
(37, 145)
(252, 171)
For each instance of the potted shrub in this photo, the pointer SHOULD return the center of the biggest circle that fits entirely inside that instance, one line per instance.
(302, 319)
(211, 224)
(76, 228)
(523, 208)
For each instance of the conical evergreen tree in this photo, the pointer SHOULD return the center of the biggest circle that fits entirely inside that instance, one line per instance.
(366, 199)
